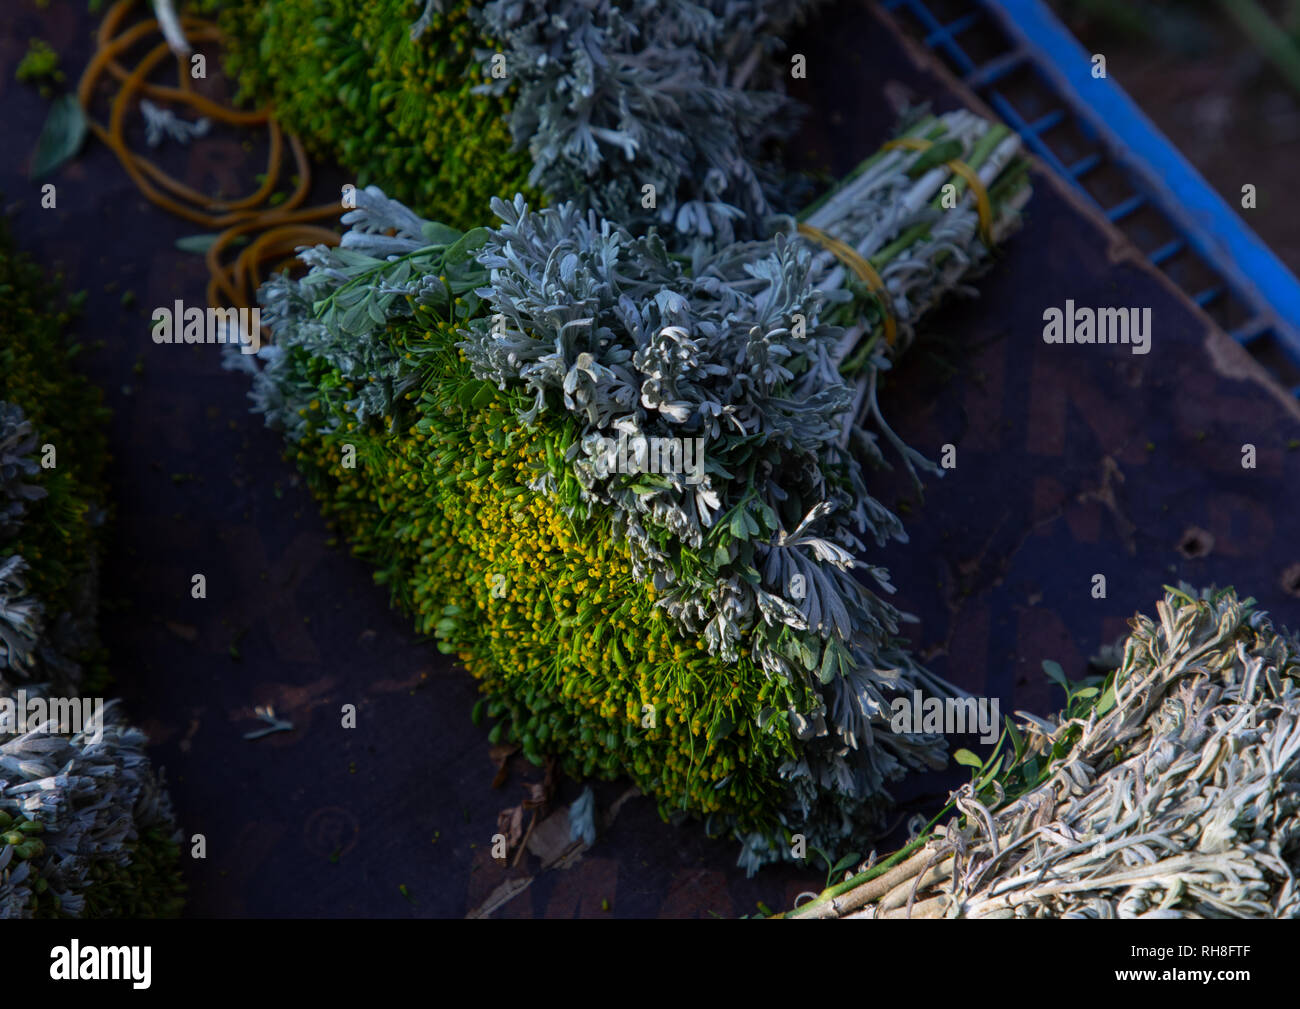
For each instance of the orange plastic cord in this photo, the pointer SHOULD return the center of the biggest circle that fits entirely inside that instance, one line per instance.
(280, 229)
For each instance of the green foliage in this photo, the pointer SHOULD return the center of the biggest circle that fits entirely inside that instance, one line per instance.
(60, 540)
(149, 885)
(353, 83)
(85, 827)
(590, 102)
(39, 64)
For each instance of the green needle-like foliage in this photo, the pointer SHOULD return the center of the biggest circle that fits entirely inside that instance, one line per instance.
(351, 80)
(448, 104)
(50, 403)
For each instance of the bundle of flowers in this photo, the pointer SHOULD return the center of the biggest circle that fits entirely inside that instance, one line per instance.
(85, 827)
(449, 104)
(626, 487)
(1169, 790)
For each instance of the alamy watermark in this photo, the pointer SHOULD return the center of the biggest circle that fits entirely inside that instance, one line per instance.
(951, 716)
(214, 325)
(65, 716)
(640, 454)
(1099, 325)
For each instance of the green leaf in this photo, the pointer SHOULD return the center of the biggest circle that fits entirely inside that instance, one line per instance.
(196, 243)
(845, 862)
(376, 311)
(721, 728)
(354, 320)
(829, 664)
(466, 393)
(440, 234)
(989, 775)
(967, 759)
(465, 246)
(485, 395)
(808, 654)
(1107, 700)
(1017, 740)
(61, 136)
(944, 150)
(1087, 692)
(1056, 673)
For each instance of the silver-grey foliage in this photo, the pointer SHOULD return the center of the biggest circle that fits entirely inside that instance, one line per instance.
(21, 620)
(94, 797)
(675, 94)
(1179, 798)
(91, 797)
(17, 443)
(34, 644)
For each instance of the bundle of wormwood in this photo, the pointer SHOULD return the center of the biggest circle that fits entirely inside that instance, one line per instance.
(1170, 790)
(85, 827)
(450, 397)
(575, 100)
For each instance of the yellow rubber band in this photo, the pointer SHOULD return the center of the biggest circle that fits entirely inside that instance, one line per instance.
(847, 255)
(982, 203)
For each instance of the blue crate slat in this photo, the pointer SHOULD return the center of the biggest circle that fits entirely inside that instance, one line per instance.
(1208, 296)
(1122, 209)
(935, 30)
(1084, 165)
(1209, 224)
(1032, 140)
(995, 69)
(1252, 331)
(953, 29)
(1166, 251)
(1044, 123)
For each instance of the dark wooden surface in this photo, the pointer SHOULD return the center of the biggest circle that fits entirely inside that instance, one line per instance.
(1071, 461)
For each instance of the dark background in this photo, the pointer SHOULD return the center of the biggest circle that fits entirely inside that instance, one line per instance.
(1071, 461)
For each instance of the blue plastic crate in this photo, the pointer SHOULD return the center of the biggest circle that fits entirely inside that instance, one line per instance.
(1019, 58)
